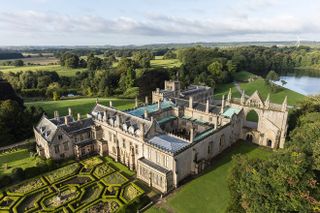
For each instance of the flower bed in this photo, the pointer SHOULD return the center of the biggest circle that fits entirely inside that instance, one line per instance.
(114, 179)
(92, 162)
(75, 180)
(30, 202)
(89, 194)
(54, 201)
(103, 170)
(103, 206)
(130, 192)
(7, 203)
(26, 187)
(62, 172)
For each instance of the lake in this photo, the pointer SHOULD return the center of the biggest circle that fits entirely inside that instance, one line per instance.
(304, 84)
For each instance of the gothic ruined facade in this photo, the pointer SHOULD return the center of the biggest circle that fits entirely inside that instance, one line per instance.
(175, 136)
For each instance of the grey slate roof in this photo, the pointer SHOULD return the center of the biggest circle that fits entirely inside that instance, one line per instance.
(168, 143)
(48, 127)
(77, 126)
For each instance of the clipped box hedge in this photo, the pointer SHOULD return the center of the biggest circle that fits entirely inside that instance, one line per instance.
(26, 187)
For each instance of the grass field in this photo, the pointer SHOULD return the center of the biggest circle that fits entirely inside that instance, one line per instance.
(81, 105)
(62, 71)
(165, 63)
(276, 97)
(36, 60)
(20, 158)
(209, 192)
(258, 84)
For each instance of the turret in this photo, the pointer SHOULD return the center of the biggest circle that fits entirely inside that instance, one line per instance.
(191, 102)
(243, 98)
(222, 105)
(136, 102)
(267, 102)
(145, 114)
(56, 114)
(207, 106)
(284, 104)
(229, 96)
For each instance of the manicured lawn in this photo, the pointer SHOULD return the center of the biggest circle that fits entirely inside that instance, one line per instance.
(62, 71)
(81, 105)
(242, 76)
(258, 84)
(20, 158)
(223, 89)
(209, 192)
(276, 97)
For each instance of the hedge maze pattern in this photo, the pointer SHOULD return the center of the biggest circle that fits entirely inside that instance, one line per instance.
(92, 185)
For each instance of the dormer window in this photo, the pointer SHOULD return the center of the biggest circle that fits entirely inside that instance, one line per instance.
(60, 137)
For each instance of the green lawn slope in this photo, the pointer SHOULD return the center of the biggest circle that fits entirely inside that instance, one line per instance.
(209, 192)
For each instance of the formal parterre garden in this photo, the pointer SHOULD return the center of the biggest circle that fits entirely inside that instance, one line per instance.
(92, 185)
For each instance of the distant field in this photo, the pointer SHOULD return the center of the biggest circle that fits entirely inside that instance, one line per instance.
(165, 63)
(36, 60)
(209, 192)
(82, 105)
(62, 71)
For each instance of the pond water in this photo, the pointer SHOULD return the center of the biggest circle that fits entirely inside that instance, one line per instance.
(304, 84)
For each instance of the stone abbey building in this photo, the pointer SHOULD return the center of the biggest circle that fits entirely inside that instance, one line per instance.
(175, 136)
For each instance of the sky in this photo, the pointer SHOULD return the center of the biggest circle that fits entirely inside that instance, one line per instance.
(123, 22)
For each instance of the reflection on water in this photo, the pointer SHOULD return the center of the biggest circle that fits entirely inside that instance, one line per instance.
(304, 82)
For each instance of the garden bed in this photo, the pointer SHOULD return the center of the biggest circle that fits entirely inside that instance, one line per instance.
(63, 172)
(103, 206)
(103, 170)
(76, 180)
(115, 178)
(30, 202)
(26, 187)
(55, 201)
(130, 192)
(89, 194)
(92, 162)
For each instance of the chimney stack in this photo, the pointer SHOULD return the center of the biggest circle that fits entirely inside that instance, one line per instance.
(146, 100)
(69, 111)
(78, 116)
(191, 102)
(207, 106)
(110, 103)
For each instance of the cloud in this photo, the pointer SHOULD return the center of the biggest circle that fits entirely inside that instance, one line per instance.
(33, 22)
